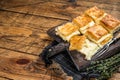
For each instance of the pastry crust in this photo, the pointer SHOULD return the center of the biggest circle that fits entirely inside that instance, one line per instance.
(77, 42)
(84, 46)
(96, 32)
(67, 30)
(110, 23)
(95, 12)
(106, 40)
(98, 35)
(83, 22)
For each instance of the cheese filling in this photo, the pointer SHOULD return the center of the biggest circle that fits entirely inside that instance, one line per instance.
(89, 49)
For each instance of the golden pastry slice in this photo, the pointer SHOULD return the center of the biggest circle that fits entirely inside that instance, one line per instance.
(98, 34)
(96, 13)
(106, 40)
(77, 42)
(67, 30)
(84, 46)
(110, 23)
(83, 22)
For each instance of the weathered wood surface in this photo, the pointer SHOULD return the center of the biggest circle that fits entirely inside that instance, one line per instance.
(23, 26)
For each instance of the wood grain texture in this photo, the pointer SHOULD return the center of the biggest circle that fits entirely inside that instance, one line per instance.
(116, 76)
(19, 66)
(22, 33)
(23, 26)
(3, 78)
(61, 9)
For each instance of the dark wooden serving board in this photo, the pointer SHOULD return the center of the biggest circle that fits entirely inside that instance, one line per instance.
(78, 59)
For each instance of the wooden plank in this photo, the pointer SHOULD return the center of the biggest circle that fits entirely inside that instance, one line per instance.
(20, 67)
(107, 2)
(116, 76)
(27, 21)
(100, 1)
(20, 3)
(62, 9)
(24, 77)
(34, 8)
(25, 33)
(3, 78)
(18, 77)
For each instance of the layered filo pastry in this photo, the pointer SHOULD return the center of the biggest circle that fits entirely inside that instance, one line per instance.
(95, 13)
(83, 22)
(110, 23)
(98, 34)
(83, 45)
(67, 30)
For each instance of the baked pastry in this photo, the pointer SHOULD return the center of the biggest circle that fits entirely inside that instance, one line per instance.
(95, 13)
(77, 42)
(98, 34)
(110, 23)
(67, 30)
(106, 40)
(83, 22)
(84, 46)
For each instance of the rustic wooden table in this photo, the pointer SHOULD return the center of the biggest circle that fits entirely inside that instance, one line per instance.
(23, 26)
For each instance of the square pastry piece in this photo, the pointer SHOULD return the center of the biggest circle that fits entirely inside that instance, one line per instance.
(98, 34)
(83, 22)
(84, 46)
(96, 13)
(110, 23)
(67, 30)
